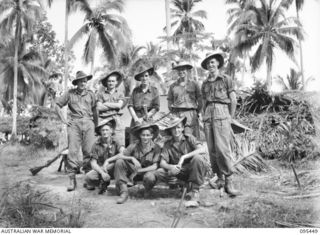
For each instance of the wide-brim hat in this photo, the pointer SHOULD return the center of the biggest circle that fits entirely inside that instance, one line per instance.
(141, 70)
(138, 128)
(218, 55)
(103, 122)
(105, 77)
(182, 64)
(173, 121)
(80, 75)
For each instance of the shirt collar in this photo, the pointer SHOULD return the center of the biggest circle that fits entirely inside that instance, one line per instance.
(85, 91)
(149, 147)
(107, 91)
(99, 141)
(148, 90)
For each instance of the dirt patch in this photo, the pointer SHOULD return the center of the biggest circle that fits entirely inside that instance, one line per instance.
(262, 204)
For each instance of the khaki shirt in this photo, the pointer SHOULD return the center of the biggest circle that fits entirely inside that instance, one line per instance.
(102, 152)
(218, 90)
(187, 96)
(139, 99)
(80, 105)
(146, 156)
(105, 96)
(172, 151)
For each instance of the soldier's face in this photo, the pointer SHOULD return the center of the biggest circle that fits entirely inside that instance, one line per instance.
(212, 65)
(112, 82)
(146, 136)
(145, 78)
(182, 72)
(82, 83)
(106, 131)
(177, 130)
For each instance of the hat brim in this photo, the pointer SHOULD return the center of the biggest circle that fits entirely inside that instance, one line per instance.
(138, 76)
(74, 82)
(217, 56)
(119, 78)
(186, 66)
(137, 129)
(183, 120)
(105, 122)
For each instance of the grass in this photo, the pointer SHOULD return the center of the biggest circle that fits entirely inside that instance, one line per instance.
(24, 206)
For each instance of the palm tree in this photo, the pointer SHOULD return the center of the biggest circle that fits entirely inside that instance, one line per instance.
(106, 29)
(71, 6)
(292, 81)
(186, 21)
(298, 5)
(267, 29)
(237, 15)
(18, 15)
(30, 86)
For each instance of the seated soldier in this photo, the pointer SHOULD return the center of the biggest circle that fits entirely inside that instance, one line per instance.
(180, 158)
(105, 147)
(139, 161)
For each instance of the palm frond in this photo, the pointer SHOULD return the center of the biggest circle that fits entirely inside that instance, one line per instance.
(107, 45)
(79, 34)
(89, 48)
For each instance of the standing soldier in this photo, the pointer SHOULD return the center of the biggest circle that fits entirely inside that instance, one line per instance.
(184, 99)
(145, 100)
(219, 108)
(81, 121)
(111, 100)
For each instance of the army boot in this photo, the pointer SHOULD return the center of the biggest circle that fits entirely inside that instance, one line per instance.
(72, 182)
(229, 188)
(123, 193)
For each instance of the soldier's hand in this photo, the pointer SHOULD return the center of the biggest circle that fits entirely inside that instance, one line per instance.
(105, 176)
(175, 169)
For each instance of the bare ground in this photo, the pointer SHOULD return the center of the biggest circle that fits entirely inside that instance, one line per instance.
(268, 200)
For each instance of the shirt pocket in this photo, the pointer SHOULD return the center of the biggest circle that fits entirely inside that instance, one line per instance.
(221, 92)
(191, 92)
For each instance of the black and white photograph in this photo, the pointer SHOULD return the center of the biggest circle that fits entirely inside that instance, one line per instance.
(159, 114)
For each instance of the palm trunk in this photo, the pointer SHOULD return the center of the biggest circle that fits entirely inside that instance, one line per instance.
(15, 76)
(168, 27)
(301, 59)
(66, 49)
(269, 82)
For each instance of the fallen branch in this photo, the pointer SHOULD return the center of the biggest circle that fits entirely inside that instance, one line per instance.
(296, 225)
(303, 196)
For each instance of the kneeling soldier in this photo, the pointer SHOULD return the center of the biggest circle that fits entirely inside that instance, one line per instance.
(104, 148)
(139, 161)
(180, 158)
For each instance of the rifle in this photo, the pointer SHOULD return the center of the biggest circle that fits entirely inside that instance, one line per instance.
(36, 169)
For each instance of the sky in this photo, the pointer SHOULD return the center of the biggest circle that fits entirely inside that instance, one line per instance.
(146, 18)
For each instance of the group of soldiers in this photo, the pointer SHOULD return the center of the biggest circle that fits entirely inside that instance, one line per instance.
(106, 157)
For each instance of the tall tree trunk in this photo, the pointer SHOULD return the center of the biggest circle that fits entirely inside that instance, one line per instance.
(15, 76)
(269, 81)
(301, 59)
(66, 48)
(168, 31)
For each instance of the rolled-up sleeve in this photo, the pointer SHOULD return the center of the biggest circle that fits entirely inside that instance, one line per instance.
(129, 150)
(165, 153)
(63, 100)
(130, 101)
(94, 152)
(230, 84)
(155, 100)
